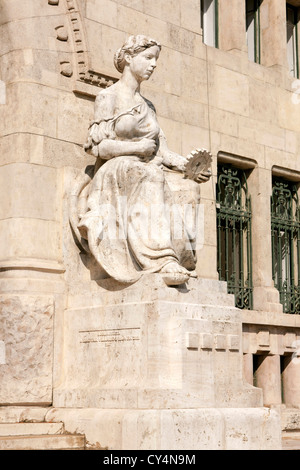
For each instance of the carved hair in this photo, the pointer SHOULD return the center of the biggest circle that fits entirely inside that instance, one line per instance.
(133, 46)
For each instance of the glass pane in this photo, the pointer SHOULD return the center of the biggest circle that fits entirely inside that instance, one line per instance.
(252, 29)
(209, 22)
(251, 37)
(291, 41)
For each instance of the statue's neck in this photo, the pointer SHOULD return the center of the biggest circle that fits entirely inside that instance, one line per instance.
(130, 82)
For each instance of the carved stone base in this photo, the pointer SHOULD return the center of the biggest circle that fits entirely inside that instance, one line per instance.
(152, 346)
(159, 361)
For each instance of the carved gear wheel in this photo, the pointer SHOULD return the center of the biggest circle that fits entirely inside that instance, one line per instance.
(199, 161)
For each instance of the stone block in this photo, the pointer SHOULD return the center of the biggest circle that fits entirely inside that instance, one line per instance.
(20, 32)
(14, 148)
(288, 111)
(18, 240)
(233, 342)
(193, 137)
(103, 11)
(263, 338)
(220, 342)
(194, 78)
(224, 121)
(192, 340)
(27, 332)
(190, 14)
(72, 113)
(33, 183)
(207, 341)
(263, 102)
(230, 91)
(13, 10)
(22, 414)
(38, 116)
(290, 340)
(248, 432)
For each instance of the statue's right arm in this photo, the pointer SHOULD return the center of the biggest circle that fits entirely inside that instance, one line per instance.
(105, 108)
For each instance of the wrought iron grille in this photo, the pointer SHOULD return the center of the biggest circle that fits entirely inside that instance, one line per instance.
(285, 226)
(234, 256)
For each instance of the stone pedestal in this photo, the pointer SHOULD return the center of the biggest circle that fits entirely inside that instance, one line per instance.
(162, 362)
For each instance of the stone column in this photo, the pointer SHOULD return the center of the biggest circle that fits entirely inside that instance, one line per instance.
(232, 29)
(291, 381)
(265, 296)
(273, 33)
(268, 378)
(31, 193)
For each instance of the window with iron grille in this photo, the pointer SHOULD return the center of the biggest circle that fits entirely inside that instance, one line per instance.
(285, 226)
(234, 256)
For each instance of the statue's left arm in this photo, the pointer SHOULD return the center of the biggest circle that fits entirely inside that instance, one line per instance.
(171, 159)
(179, 163)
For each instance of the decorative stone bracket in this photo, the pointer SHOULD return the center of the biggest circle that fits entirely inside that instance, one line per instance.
(269, 340)
(209, 341)
(85, 77)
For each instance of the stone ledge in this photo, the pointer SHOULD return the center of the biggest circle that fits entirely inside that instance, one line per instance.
(33, 264)
(270, 318)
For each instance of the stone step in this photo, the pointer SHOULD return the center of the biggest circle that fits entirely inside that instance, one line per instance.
(291, 440)
(25, 428)
(43, 442)
(21, 429)
(23, 414)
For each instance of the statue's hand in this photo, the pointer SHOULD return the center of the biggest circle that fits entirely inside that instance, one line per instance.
(147, 148)
(203, 176)
(198, 165)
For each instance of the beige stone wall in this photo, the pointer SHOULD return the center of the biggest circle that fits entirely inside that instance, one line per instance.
(54, 58)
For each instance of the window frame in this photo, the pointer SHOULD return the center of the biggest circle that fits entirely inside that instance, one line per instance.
(234, 220)
(257, 38)
(295, 23)
(215, 19)
(285, 245)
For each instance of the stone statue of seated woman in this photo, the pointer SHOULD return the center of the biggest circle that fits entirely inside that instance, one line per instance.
(124, 218)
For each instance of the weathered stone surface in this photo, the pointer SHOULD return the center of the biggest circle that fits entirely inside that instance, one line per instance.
(151, 346)
(181, 429)
(27, 332)
(204, 96)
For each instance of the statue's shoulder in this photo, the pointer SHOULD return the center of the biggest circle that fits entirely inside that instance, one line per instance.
(106, 95)
(105, 103)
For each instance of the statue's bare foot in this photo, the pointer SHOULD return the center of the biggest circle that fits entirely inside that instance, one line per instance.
(174, 274)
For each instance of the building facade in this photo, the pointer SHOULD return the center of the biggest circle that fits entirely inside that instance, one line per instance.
(228, 81)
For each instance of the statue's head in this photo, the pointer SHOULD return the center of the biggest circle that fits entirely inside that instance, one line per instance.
(133, 46)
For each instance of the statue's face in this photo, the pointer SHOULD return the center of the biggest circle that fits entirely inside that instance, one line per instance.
(143, 64)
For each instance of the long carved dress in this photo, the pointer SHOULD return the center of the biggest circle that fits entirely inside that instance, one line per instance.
(127, 222)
